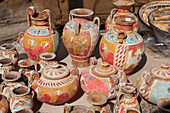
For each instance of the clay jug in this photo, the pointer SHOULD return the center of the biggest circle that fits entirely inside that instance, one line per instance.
(103, 78)
(39, 37)
(80, 36)
(6, 65)
(151, 83)
(20, 98)
(127, 101)
(122, 47)
(47, 60)
(62, 82)
(4, 106)
(8, 50)
(11, 79)
(26, 67)
(122, 8)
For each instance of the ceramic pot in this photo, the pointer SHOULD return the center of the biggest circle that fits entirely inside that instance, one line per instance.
(11, 79)
(122, 47)
(127, 102)
(80, 36)
(56, 85)
(77, 109)
(39, 37)
(25, 110)
(123, 8)
(8, 50)
(3, 104)
(21, 98)
(164, 105)
(103, 79)
(150, 84)
(26, 67)
(47, 60)
(6, 65)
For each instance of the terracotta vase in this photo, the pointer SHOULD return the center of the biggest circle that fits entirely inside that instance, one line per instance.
(102, 79)
(39, 37)
(122, 47)
(77, 109)
(63, 84)
(8, 50)
(47, 60)
(123, 8)
(6, 65)
(4, 106)
(21, 98)
(11, 79)
(25, 110)
(150, 84)
(127, 102)
(80, 36)
(26, 67)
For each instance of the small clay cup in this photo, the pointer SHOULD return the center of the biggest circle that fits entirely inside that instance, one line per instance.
(164, 105)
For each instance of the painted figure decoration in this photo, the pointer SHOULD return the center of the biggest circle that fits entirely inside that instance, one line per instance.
(39, 37)
(80, 36)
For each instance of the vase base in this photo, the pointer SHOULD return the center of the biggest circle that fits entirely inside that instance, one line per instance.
(81, 63)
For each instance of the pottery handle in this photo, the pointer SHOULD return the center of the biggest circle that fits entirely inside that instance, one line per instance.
(20, 38)
(93, 61)
(77, 28)
(22, 70)
(98, 21)
(74, 71)
(67, 109)
(30, 11)
(70, 17)
(47, 13)
(121, 36)
(111, 13)
(32, 94)
(2, 86)
(34, 76)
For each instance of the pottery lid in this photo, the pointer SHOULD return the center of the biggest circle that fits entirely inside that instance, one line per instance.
(162, 71)
(54, 72)
(104, 70)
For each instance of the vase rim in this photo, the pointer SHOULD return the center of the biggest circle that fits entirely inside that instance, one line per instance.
(8, 76)
(81, 12)
(7, 46)
(22, 94)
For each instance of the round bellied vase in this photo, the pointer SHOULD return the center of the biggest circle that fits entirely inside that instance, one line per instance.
(56, 85)
(150, 84)
(127, 101)
(39, 37)
(104, 79)
(8, 50)
(21, 97)
(122, 47)
(6, 65)
(122, 8)
(80, 36)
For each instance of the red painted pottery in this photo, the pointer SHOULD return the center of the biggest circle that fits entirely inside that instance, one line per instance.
(4, 106)
(56, 85)
(41, 36)
(155, 84)
(127, 102)
(122, 47)
(123, 8)
(80, 36)
(102, 79)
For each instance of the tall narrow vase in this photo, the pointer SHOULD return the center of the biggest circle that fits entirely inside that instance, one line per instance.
(80, 36)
